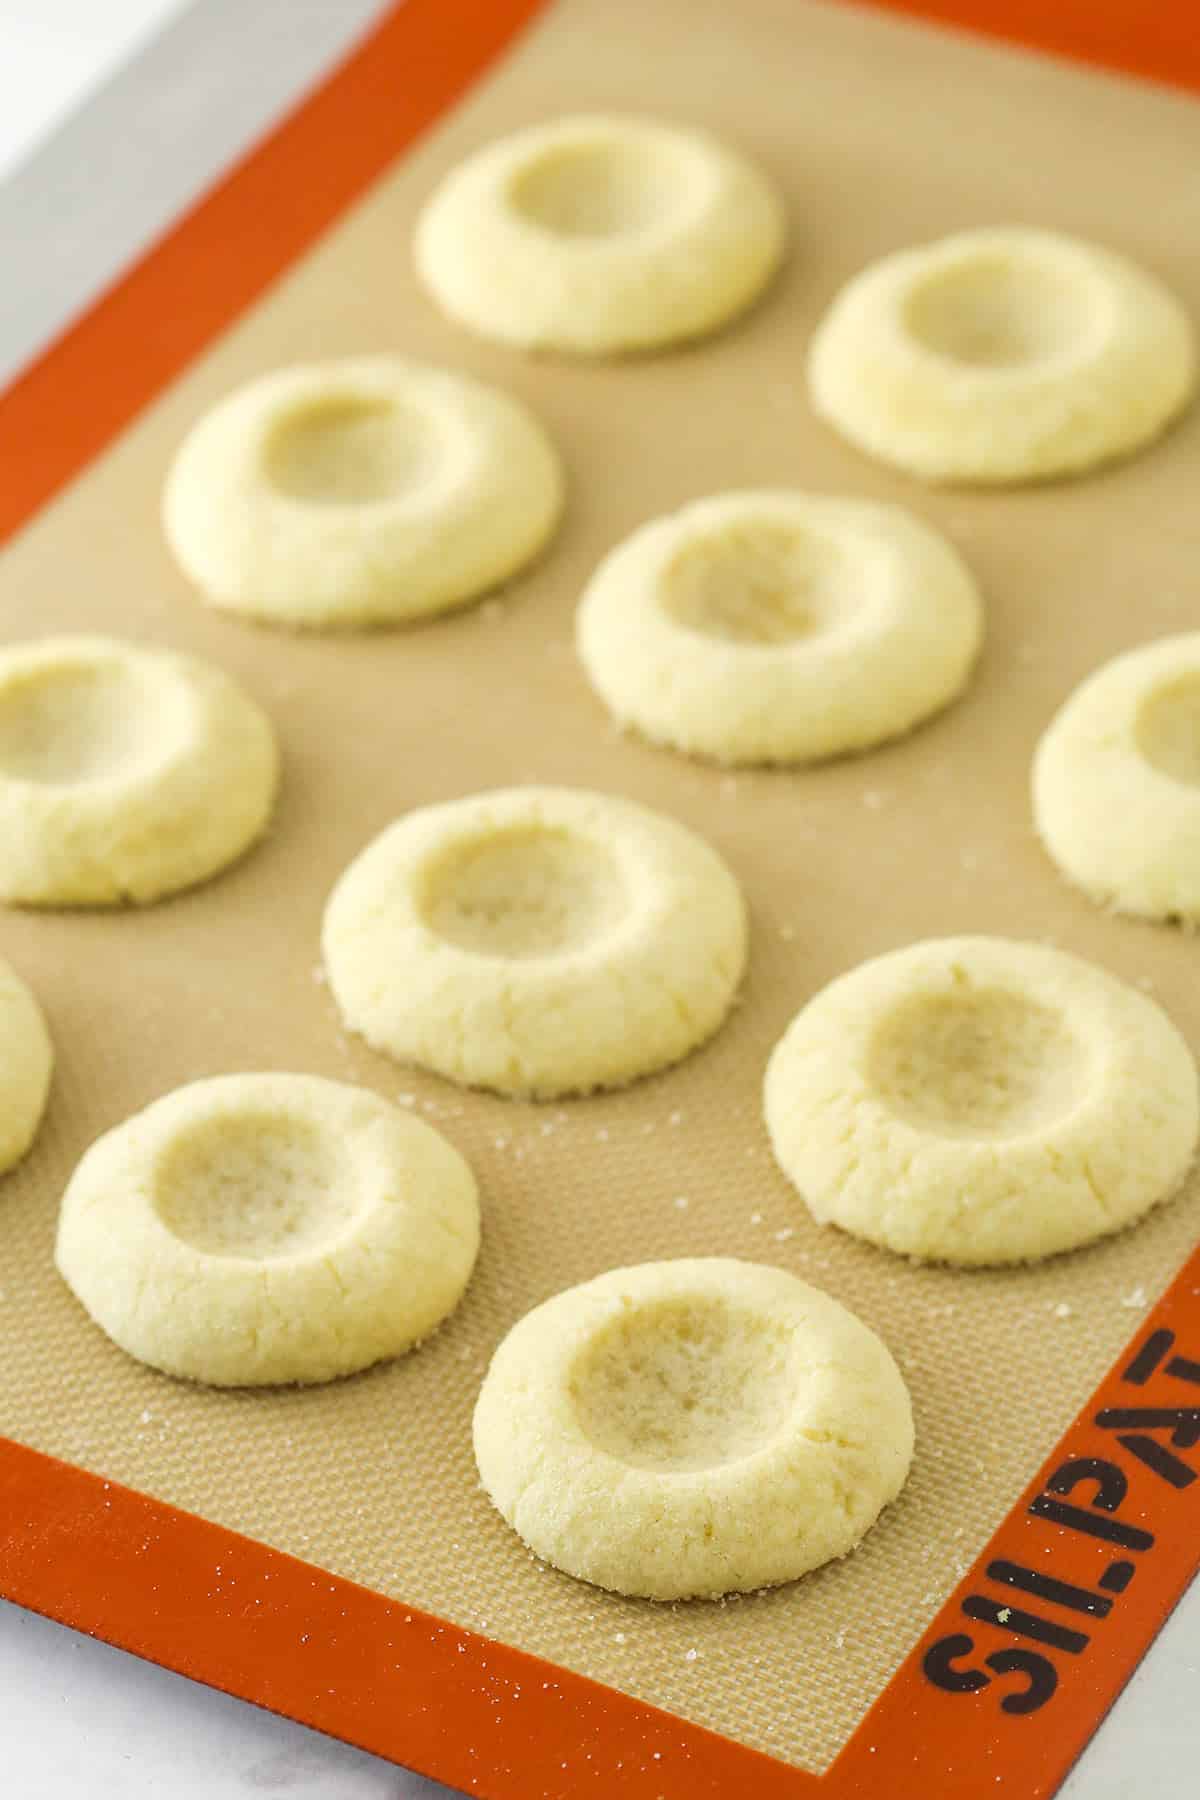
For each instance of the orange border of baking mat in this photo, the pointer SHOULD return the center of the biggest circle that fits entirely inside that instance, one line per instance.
(1063, 1602)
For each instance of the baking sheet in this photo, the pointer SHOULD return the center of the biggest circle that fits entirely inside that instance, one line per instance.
(881, 135)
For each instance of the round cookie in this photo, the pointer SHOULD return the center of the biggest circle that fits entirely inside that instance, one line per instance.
(255, 1229)
(976, 1100)
(1003, 355)
(363, 492)
(125, 774)
(536, 941)
(1116, 782)
(26, 1064)
(692, 1428)
(597, 234)
(779, 627)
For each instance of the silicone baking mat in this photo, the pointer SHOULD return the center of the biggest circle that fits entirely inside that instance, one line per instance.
(881, 134)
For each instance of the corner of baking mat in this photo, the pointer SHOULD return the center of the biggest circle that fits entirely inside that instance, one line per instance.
(1022, 1663)
(228, 248)
(998, 1697)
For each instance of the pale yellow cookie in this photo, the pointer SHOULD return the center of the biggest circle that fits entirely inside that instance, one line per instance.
(125, 774)
(363, 492)
(779, 627)
(536, 941)
(1002, 355)
(600, 233)
(978, 1100)
(253, 1229)
(692, 1428)
(1116, 782)
(26, 1063)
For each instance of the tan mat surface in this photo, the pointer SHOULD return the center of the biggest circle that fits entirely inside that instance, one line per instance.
(881, 134)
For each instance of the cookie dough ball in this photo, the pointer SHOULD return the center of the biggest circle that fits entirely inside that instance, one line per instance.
(1116, 782)
(779, 627)
(1004, 355)
(977, 1100)
(536, 941)
(125, 774)
(599, 234)
(254, 1229)
(364, 492)
(26, 1062)
(692, 1428)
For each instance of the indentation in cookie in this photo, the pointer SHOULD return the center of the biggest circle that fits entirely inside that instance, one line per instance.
(978, 1063)
(1167, 729)
(687, 1383)
(348, 451)
(758, 583)
(525, 893)
(80, 721)
(990, 310)
(607, 188)
(255, 1185)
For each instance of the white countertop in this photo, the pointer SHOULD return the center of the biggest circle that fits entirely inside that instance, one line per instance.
(97, 153)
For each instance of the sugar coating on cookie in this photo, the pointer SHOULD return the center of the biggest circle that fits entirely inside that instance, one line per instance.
(255, 1229)
(125, 774)
(536, 941)
(362, 492)
(1002, 355)
(979, 1100)
(1116, 782)
(597, 234)
(26, 1064)
(692, 1428)
(779, 626)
